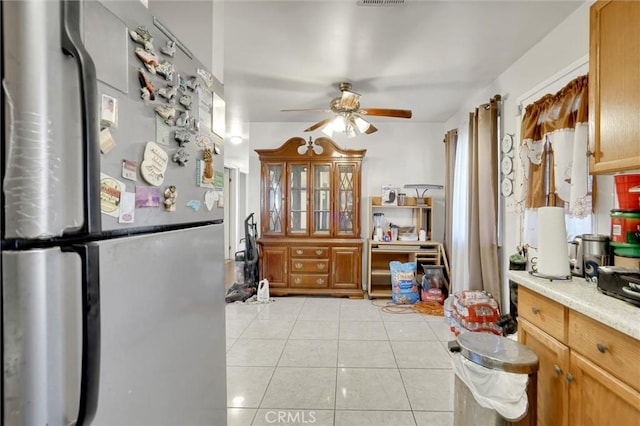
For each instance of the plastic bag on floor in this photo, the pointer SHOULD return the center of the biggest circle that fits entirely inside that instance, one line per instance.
(404, 289)
(498, 390)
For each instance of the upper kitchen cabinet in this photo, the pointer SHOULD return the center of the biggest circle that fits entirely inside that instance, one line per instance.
(614, 86)
(310, 218)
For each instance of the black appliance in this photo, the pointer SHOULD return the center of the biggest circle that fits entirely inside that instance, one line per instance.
(620, 282)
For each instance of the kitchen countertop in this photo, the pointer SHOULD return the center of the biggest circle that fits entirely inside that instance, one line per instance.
(583, 296)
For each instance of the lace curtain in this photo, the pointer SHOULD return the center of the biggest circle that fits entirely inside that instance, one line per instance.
(460, 213)
(553, 152)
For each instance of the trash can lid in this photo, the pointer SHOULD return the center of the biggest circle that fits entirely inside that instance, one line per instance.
(498, 353)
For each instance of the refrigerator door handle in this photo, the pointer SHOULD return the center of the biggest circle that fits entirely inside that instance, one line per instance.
(90, 370)
(72, 45)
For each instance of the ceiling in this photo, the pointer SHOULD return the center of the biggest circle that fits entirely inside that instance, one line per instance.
(427, 56)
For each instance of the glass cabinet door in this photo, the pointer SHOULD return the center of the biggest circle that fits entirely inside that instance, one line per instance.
(347, 210)
(298, 198)
(275, 199)
(322, 199)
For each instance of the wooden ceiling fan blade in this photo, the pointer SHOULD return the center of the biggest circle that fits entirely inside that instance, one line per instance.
(318, 124)
(385, 112)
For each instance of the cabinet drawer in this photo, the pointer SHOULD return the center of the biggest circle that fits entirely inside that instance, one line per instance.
(316, 252)
(310, 265)
(608, 348)
(544, 313)
(309, 280)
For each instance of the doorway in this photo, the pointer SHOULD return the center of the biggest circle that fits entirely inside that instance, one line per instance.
(235, 209)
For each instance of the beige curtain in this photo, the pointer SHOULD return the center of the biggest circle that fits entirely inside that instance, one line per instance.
(450, 142)
(484, 270)
(553, 149)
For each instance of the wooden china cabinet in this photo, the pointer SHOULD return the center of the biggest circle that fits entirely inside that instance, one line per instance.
(310, 218)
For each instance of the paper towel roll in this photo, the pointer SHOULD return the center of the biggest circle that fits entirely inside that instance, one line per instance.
(553, 255)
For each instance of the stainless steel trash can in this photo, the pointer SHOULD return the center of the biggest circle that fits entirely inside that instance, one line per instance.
(496, 353)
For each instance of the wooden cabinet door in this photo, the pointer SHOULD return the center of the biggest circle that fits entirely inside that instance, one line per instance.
(273, 206)
(347, 200)
(273, 265)
(321, 197)
(614, 86)
(597, 398)
(298, 188)
(346, 267)
(552, 391)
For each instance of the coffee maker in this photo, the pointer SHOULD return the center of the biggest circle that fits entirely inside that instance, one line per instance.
(595, 253)
(586, 253)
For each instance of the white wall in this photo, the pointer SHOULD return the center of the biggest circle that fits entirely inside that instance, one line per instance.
(399, 153)
(561, 48)
(217, 47)
(413, 152)
(190, 21)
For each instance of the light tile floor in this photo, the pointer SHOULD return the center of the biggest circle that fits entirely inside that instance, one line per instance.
(331, 361)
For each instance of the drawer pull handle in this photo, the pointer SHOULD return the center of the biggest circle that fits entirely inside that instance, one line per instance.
(602, 348)
(557, 369)
(299, 251)
(535, 310)
(298, 265)
(569, 378)
(318, 252)
(320, 265)
(320, 281)
(298, 280)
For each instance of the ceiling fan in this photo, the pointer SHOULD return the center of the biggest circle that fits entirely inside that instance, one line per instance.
(347, 115)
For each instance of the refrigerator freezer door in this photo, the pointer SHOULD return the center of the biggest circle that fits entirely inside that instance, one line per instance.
(42, 139)
(42, 328)
(163, 335)
(105, 23)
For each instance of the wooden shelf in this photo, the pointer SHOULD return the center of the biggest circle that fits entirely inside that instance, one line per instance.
(380, 290)
(380, 253)
(408, 202)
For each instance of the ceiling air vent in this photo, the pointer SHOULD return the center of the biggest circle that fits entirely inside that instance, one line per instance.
(381, 2)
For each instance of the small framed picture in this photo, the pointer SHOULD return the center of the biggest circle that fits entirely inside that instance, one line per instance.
(109, 111)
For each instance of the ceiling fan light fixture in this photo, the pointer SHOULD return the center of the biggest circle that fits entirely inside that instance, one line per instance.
(347, 115)
(340, 123)
(349, 100)
(327, 129)
(361, 124)
(351, 131)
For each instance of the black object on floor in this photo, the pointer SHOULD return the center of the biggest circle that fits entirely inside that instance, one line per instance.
(250, 253)
(239, 292)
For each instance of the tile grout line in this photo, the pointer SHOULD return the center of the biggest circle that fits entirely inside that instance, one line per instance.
(354, 315)
(335, 388)
(275, 367)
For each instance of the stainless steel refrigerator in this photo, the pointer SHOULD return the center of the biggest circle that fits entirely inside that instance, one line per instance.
(112, 287)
